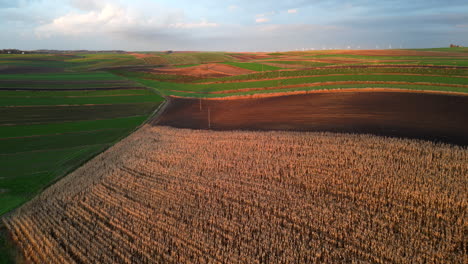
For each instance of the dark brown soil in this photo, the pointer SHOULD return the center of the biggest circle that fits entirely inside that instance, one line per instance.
(414, 115)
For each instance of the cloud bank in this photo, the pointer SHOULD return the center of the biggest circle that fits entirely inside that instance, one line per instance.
(232, 25)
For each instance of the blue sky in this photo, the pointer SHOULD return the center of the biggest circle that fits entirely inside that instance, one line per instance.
(231, 25)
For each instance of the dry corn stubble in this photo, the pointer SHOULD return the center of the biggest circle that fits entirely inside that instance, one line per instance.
(189, 196)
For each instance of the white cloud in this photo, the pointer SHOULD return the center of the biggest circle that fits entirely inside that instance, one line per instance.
(292, 11)
(109, 18)
(87, 5)
(281, 28)
(202, 24)
(262, 20)
(233, 7)
(266, 14)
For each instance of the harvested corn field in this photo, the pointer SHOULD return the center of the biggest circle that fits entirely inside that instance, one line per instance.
(167, 195)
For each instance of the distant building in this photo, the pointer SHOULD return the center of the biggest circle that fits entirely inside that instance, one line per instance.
(455, 46)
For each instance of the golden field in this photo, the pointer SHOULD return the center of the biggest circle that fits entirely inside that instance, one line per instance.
(166, 195)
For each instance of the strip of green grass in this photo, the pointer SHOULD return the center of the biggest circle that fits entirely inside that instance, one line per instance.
(59, 114)
(304, 63)
(25, 101)
(328, 87)
(186, 65)
(166, 87)
(326, 71)
(32, 63)
(87, 76)
(83, 93)
(66, 86)
(463, 49)
(70, 127)
(25, 174)
(158, 77)
(24, 144)
(253, 66)
(20, 164)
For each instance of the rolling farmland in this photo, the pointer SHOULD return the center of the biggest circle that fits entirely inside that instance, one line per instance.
(287, 190)
(407, 70)
(182, 196)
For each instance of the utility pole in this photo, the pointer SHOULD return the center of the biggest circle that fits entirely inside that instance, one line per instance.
(209, 119)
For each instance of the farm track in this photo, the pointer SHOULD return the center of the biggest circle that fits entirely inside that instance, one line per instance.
(440, 117)
(171, 195)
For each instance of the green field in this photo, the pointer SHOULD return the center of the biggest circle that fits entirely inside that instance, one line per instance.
(169, 88)
(329, 71)
(253, 66)
(186, 65)
(46, 134)
(67, 76)
(303, 63)
(190, 58)
(79, 100)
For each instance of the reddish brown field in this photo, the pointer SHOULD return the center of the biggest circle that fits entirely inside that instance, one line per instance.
(141, 55)
(167, 195)
(204, 70)
(415, 115)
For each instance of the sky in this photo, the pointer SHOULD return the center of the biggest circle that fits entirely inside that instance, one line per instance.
(231, 25)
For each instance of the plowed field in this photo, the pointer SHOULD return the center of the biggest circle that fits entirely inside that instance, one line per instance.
(414, 115)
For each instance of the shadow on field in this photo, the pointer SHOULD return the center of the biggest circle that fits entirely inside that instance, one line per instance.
(432, 117)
